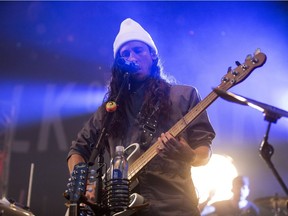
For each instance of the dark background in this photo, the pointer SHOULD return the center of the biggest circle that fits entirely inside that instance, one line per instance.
(54, 64)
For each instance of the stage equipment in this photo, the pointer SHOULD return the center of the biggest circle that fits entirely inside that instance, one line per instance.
(11, 208)
(273, 205)
(271, 114)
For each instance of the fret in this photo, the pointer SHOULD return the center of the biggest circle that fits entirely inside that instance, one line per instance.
(230, 79)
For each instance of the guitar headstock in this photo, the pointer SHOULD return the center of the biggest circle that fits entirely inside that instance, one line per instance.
(242, 71)
(77, 183)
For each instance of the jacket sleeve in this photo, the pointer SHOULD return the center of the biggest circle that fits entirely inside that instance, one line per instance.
(87, 137)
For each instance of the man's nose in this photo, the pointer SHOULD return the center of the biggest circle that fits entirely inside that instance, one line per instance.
(132, 56)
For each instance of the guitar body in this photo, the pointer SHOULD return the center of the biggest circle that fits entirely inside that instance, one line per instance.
(132, 152)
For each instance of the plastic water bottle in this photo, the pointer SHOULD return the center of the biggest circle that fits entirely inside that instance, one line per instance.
(118, 186)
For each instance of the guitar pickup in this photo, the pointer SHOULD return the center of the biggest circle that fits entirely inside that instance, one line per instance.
(150, 128)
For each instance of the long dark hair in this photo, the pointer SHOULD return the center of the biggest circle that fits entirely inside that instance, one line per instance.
(157, 89)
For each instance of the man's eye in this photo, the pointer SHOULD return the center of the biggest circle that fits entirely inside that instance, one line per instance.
(138, 50)
(125, 54)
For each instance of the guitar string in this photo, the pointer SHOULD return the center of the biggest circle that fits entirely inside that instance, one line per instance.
(175, 130)
(189, 117)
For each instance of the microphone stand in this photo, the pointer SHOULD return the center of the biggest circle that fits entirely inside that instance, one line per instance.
(272, 114)
(266, 150)
(98, 150)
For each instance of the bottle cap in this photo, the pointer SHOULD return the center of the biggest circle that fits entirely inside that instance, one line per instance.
(120, 148)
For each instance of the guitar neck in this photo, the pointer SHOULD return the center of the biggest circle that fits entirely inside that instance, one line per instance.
(237, 75)
(192, 114)
(74, 209)
(181, 125)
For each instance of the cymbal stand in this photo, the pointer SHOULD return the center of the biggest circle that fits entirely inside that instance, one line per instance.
(266, 150)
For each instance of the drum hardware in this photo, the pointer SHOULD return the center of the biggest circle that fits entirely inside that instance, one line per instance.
(273, 204)
(9, 207)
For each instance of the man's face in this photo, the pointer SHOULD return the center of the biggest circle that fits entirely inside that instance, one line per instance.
(240, 192)
(139, 53)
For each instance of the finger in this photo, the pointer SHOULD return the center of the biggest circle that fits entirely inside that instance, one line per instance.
(160, 147)
(171, 144)
(164, 138)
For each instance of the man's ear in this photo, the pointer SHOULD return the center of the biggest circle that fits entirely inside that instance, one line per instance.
(153, 54)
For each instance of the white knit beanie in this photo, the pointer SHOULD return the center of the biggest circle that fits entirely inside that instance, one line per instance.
(131, 30)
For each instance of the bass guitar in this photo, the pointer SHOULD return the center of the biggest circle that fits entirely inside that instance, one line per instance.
(233, 77)
(138, 161)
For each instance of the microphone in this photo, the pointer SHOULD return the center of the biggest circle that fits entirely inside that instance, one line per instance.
(127, 66)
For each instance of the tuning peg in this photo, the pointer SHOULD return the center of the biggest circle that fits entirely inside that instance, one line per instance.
(92, 178)
(243, 66)
(248, 57)
(92, 172)
(89, 189)
(229, 69)
(83, 171)
(66, 194)
(257, 51)
(253, 59)
(237, 63)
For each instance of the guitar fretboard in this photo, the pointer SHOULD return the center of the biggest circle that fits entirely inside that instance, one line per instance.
(230, 79)
(175, 131)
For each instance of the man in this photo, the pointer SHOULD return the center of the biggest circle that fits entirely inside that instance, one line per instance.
(238, 205)
(148, 106)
